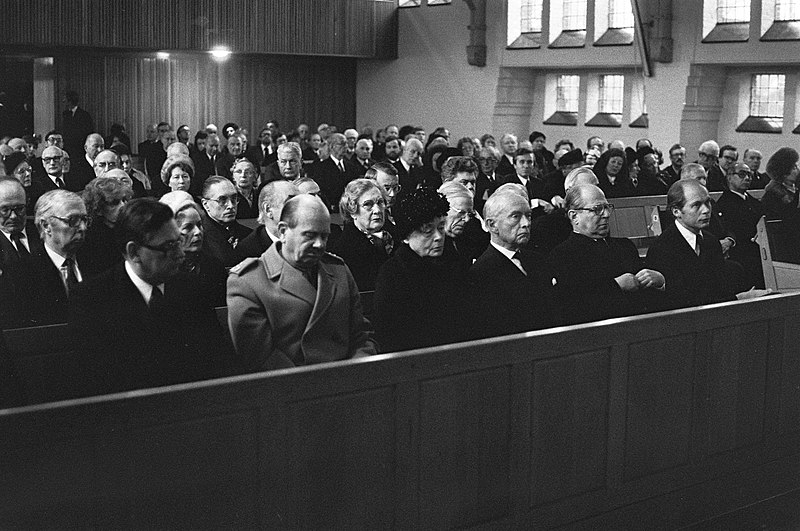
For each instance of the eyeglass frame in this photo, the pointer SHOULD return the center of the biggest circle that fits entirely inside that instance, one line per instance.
(85, 218)
(598, 210)
(19, 210)
(166, 247)
(224, 200)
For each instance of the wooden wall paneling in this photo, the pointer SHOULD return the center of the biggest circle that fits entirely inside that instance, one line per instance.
(658, 428)
(569, 425)
(326, 436)
(736, 386)
(345, 28)
(790, 373)
(464, 449)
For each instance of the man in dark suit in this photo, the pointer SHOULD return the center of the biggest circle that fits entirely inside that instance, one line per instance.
(264, 153)
(526, 175)
(270, 203)
(363, 156)
(83, 165)
(205, 165)
(488, 180)
(752, 157)
(151, 138)
(333, 173)
(16, 240)
(297, 305)
(409, 165)
(739, 213)
(222, 232)
(76, 125)
(509, 145)
(41, 284)
(689, 257)
(288, 165)
(143, 323)
(677, 158)
(595, 276)
(708, 157)
(511, 283)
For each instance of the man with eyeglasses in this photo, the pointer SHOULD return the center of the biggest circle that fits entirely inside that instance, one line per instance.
(16, 241)
(596, 276)
(104, 161)
(223, 232)
(143, 323)
(708, 158)
(739, 213)
(464, 171)
(487, 181)
(42, 283)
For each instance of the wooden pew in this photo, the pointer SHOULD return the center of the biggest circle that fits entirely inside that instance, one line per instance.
(780, 256)
(659, 421)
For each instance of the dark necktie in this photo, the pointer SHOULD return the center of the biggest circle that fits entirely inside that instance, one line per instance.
(341, 166)
(156, 303)
(22, 251)
(698, 241)
(72, 278)
(518, 257)
(59, 182)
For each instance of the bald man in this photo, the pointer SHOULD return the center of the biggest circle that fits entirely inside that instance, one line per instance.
(296, 304)
(82, 170)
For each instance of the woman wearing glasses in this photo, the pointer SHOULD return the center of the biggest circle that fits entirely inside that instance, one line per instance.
(17, 166)
(363, 244)
(104, 198)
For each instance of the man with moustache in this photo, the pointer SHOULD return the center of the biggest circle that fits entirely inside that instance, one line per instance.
(596, 276)
(511, 283)
(296, 304)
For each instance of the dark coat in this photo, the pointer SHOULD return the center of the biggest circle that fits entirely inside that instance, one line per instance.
(584, 271)
(98, 252)
(131, 348)
(420, 302)
(779, 202)
(33, 292)
(511, 301)
(247, 210)
(409, 179)
(9, 254)
(691, 280)
(216, 243)
(254, 244)
(332, 181)
(75, 129)
(211, 276)
(362, 257)
(740, 218)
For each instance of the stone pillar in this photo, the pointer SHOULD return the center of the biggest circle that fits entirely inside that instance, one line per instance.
(514, 103)
(705, 88)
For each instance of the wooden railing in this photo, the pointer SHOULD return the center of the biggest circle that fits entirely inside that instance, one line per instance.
(657, 421)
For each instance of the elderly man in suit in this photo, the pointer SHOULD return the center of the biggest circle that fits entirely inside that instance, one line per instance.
(690, 257)
(597, 276)
(223, 232)
(510, 282)
(333, 173)
(270, 203)
(16, 241)
(76, 124)
(297, 305)
(41, 284)
(143, 323)
(287, 166)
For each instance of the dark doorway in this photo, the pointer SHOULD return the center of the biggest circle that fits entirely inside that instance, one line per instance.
(16, 97)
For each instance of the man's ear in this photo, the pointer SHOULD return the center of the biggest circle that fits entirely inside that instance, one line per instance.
(132, 252)
(282, 228)
(572, 215)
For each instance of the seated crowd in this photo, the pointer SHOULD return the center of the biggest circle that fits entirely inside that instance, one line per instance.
(328, 246)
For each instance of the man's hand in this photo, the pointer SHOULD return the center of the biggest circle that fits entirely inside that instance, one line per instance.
(753, 293)
(542, 203)
(557, 201)
(627, 282)
(649, 278)
(727, 244)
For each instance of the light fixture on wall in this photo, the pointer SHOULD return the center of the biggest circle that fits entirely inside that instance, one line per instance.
(220, 53)
(162, 55)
